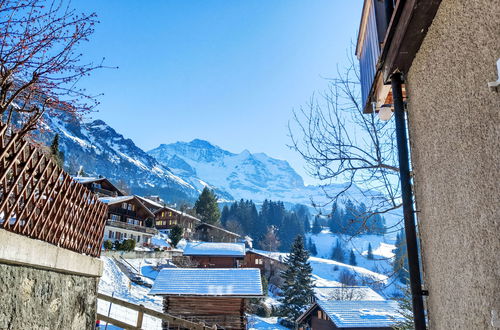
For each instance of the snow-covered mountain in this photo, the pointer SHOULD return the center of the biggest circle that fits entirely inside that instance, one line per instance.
(243, 175)
(103, 151)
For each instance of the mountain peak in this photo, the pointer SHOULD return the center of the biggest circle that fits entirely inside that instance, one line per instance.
(201, 144)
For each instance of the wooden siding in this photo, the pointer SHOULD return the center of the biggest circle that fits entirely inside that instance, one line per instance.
(39, 200)
(369, 53)
(225, 312)
(217, 262)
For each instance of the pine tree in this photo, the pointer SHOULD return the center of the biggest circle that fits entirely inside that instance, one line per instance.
(311, 247)
(297, 282)
(370, 252)
(56, 154)
(352, 258)
(316, 229)
(175, 235)
(400, 264)
(224, 216)
(338, 252)
(206, 206)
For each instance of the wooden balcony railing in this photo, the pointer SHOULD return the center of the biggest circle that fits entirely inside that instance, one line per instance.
(39, 200)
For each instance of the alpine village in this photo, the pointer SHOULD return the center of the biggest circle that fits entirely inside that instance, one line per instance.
(385, 214)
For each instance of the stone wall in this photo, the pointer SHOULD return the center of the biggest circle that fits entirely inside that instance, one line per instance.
(42, 299)
(43, 286)
(454, 134)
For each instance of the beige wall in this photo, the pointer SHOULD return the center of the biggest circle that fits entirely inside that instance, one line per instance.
(454, 134)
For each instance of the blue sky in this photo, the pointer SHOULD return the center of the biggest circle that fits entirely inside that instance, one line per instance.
(227, 71)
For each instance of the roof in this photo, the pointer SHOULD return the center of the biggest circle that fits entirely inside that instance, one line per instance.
(278, 256)
(121, 199)
(229, 282)
(359, 314)
(150, 202)
(214, 249)
(86, 179)
(218, 228)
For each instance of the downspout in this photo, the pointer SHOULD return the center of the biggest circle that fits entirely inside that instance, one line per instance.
(408, 210)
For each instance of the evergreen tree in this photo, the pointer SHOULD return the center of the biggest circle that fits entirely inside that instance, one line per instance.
(55, 153)
(297, 282)
(311, 247)
(224, 216)
(316, 228)
(206, 206)
(338, 253)
(336, 219)
(370, 252)
(352, 258)
(175, 235)
(400, 264)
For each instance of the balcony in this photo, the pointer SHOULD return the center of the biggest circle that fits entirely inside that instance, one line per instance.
(124, 225)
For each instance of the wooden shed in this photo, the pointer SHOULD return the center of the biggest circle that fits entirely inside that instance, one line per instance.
(213, 296)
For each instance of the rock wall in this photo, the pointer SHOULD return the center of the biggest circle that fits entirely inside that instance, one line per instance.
(454, 123)
(33, 298)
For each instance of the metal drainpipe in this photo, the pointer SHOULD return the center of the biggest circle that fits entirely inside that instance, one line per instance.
(408, 211)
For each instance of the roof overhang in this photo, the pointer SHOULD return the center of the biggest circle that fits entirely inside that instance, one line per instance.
(301, 318)
(407, 29)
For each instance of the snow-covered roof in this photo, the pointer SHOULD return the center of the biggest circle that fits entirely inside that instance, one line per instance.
(86, 179)
(278, 256)
(208, 282)
(114, 200)
(214, 249)
(184, 214)
(150, 202)
(361, 313)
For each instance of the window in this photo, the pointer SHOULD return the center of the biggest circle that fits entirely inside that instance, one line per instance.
(110, 234)
(114, 217)
(258, 261)
(138, 238)
(163, 214)
(124, 206)
(320, 316)
(170, 213)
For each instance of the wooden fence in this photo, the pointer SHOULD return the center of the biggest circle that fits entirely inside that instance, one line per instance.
(170, 321)
(38, 199)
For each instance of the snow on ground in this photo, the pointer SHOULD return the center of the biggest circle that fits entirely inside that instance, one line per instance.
(114, 282)
(256, 322)
(382, 246)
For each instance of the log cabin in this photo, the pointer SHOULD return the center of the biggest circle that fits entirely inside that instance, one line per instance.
(167, 217)
(352, 315)
(216, 255)
(213, 296)
(128, 218)
(210, 233)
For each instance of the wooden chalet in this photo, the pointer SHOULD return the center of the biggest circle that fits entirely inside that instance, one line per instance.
(166, 218)
(216, 297)
(128, 218)
(271, 264)
(216, 254)
(352, 315)
(210, 233)
(100, 186)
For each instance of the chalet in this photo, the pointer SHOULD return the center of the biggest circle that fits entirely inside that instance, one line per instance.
(213, 296)
(210, 233)
(352, 315)
(167, 217)
(216, 255)
(128, 218)
(270, 264)
(433, 65)
(101, 187)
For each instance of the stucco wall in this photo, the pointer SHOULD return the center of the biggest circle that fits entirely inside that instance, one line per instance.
(454, 133)
(42, 299)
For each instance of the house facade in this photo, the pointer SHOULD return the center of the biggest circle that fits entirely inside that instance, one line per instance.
(166, 218)
(128, 218)
(216, 254)
(271, 266)
(210, 233)
(440, 58)
(101, 187)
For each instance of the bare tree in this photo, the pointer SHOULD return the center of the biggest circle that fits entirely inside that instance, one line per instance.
(340, 143)
(39, 63)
